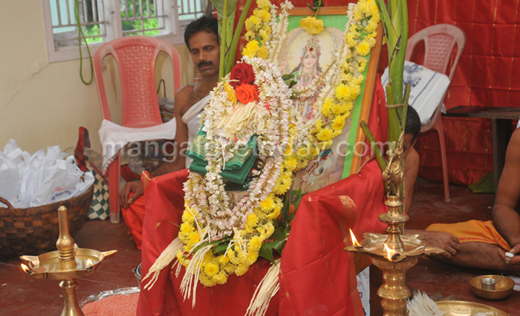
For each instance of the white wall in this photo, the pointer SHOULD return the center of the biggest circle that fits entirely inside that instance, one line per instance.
(43, 104)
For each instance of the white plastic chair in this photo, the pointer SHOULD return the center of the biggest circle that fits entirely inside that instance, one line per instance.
(440, 41)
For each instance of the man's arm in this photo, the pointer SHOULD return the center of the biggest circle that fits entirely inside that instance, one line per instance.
(505, 218)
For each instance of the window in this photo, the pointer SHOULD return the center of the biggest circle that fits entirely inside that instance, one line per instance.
(105, 20)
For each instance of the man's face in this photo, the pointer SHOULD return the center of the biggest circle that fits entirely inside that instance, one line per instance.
(205, 52)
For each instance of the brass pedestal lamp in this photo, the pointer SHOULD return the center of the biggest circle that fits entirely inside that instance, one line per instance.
(66, 264)
(393, 253)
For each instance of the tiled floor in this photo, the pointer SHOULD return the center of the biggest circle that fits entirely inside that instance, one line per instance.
(21, 295)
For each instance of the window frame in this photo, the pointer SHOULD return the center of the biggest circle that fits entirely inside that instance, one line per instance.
(114, 29)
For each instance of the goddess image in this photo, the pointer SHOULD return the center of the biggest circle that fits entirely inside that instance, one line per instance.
(307, 75)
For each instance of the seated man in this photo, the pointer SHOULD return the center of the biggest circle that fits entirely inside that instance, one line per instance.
(442, 240)
(201, 38)
(411, 157)
(484, 244)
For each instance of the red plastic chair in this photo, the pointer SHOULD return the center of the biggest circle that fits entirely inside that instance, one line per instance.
(135, 57)
(439, 42)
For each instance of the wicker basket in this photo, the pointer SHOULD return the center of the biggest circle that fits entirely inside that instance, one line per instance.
(35, 230)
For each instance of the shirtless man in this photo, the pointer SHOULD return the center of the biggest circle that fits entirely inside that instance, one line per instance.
(484, 244)
(444, 240)
(201, 38)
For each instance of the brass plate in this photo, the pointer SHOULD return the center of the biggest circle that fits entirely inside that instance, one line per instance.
(462, 308)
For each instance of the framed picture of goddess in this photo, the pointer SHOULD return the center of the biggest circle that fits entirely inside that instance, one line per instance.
(311, 59)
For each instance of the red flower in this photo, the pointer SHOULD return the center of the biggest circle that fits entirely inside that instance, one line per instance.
(246, 93)
(241, 74)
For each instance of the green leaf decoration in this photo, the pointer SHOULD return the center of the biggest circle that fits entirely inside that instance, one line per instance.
(277, 243)
(221, 248)
(220, 5)
(266, 251)
(215, 242)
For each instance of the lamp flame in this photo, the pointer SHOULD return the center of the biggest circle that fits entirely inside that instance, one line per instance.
(389, 253)
(354, 240)
(25, 268)
(89, 264)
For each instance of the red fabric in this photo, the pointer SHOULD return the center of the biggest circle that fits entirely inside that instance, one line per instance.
(134, 214)
(128, 174)
(313, 257)
(83, 142)
(484, 76)
(134, 218)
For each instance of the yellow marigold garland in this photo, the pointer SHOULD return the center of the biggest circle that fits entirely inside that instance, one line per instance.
(258, 30)
(334, 110)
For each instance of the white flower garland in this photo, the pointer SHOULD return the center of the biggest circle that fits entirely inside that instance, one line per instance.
(210, 214)
(286, 142)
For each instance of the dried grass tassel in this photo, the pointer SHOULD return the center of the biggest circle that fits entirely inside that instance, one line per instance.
(267, 288)
(422, 305)
(239, 118)
(191, 277)
(166, 257)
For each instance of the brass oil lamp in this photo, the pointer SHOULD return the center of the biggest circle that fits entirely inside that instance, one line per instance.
(393, 253)
(66, 264)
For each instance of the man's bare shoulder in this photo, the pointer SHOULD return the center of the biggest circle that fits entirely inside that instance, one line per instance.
(184, 92)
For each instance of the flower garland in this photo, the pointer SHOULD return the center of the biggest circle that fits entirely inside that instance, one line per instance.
(258, 30)
(255, 90)
(340, 83)
(221, 233)
(337, 97)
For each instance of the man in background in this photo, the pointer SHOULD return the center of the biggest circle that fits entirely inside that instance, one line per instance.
(201, 38)
(411, 157)
(441, 239)
(484, 245)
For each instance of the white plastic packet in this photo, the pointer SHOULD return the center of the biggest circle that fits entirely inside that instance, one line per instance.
(40, 179)
(9, 179)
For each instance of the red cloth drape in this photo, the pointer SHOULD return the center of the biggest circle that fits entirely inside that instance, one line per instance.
(317, 275)
(485, 76)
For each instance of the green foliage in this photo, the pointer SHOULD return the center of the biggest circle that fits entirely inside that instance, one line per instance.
(276, 243)
(91, 31)
(289, 80)
(220, 244)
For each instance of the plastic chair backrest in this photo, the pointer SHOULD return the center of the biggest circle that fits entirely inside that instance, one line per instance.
(135, 57)
(439, 41)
